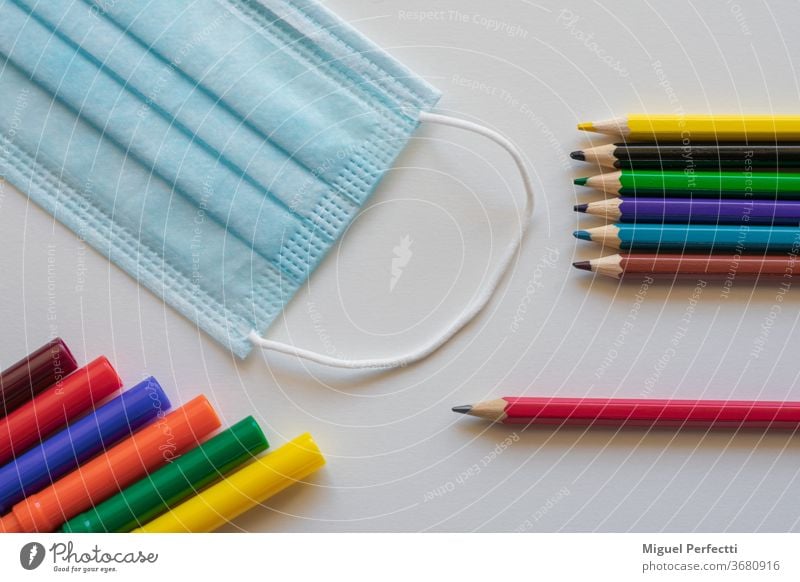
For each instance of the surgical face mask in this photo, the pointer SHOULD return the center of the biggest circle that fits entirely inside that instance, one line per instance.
(213, 149)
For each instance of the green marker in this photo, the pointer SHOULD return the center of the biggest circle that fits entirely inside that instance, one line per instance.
(756, 185)
(153, 495)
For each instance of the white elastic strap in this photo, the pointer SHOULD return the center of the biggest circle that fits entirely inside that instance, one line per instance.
(472, 310)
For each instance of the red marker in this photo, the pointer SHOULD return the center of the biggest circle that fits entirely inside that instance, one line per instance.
(55, 407)
(638, 412)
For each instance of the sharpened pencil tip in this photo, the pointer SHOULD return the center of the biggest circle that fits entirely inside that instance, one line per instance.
(580, 181)
(580, 207)
(583, 265)
(578, 155)
(582, 235)
(587, 126)
(462, 409)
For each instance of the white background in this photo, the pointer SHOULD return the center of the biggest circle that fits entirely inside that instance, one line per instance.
(399, 460)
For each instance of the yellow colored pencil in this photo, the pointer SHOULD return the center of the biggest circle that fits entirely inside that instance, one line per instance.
(688, 128)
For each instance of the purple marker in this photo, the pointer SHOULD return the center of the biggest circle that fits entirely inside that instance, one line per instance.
(696, 210)
(64, 451)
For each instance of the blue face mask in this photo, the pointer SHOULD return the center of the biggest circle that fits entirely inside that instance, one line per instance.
(213, 149)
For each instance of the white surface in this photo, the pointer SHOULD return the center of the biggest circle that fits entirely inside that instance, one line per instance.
(391, 440)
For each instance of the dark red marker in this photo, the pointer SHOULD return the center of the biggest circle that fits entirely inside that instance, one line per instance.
(35, 373)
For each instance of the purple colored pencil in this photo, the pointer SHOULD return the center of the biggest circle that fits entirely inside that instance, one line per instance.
(696, 210)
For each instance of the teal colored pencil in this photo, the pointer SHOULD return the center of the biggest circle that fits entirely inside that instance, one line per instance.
(695, 237)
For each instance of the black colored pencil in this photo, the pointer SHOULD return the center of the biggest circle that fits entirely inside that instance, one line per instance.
(706, 155)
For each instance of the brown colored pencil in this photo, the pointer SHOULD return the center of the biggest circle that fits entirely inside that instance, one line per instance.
(623, 264)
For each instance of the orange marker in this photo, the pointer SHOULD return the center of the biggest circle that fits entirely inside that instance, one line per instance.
(120, 466)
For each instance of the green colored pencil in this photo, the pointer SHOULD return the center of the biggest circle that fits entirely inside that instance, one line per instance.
(695, 237)
(679, 183)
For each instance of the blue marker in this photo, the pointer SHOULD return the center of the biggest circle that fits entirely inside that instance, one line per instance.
(41, 466)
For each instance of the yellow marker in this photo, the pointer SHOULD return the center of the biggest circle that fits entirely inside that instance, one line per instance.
(700, 127)
(243, 490)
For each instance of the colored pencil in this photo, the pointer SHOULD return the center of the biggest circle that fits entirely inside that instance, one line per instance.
(700, 127)
(618, 412)
(711, 155)
(695, 237)
(667, 264)
(695, 210)
(659, 183)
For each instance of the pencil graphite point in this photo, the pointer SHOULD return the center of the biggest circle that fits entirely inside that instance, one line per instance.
(578, 155)
(580, 207)
(580, 181)
(462, 409)
(582, 235)
(583, 265)
(587, 126)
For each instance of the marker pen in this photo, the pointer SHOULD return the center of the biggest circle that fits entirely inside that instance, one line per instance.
(80, 441)
(147, 499)
(243, 490)
(147, 450)
(34, 373)
(55, 407)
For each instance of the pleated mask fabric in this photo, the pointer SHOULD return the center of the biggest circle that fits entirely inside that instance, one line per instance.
(213, 149)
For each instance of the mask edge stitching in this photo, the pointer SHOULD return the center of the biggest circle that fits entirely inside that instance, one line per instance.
(306, 253)
(318, 63)
(395, 86)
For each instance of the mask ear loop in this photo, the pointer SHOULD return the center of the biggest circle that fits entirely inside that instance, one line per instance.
(471, 311)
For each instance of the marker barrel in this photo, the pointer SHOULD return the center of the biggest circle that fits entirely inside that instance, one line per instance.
(61, 453)
(147, 499)
(56, 406)
(243, 490)
(105, 475)
(34, 373)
